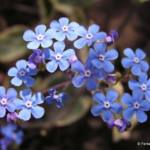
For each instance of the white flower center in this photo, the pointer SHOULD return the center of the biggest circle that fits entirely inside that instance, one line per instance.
(101, 57)
(22, 72)
(143, 87)
(28, 104)
(89, 36)
(3, 101)
(65, 28)
(107, 104)
(136, 105)
(40, 37)
(58, 56)
(87, 73)
(136, 60)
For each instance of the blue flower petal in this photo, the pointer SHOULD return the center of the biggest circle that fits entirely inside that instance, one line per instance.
(11, 93)
(29, 35)
(40, 29)
(37, 112)
(51, 66)
(16, 81)
(116, 107)
(126, 62)
(78, 67)
(12, 72)
(96, 110)
(33, 44)
(94, 28)
(107, 116)
(26, 94)
(145, 105)
(29, 81)
(71, 35)
(38, 98)
(140, 54)
(99, 97)
(21, 64)
(55, 25)
(11, 107)
(111, 95)
(82, 31)
(144, 66)
(2, 111)
(49, 34)
(143, 78)
(96, 63)
(63, 64)
(25, 114)
(108, 66)
(129, 53)
(91, 84)
(59, 47)
(60, 36)
(64, 21)
(133, 85)
(127, 99)
(136, 70)
(111, 54)
(80, 43)
(128, 113)
(141, 116)
(46, 43)
(78, 81)
(100, 48)
(68, 53)
(2, 91)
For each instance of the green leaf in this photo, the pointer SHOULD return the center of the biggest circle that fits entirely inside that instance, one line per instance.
(12, 46)
(73, 111)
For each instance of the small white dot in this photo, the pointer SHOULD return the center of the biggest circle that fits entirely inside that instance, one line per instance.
(40, 37)
(3, 101)
(101, 57)
(136, 60)
(58, 56)
(107, 104)
(87, 73)
(65, 28)
(89, 36)
(28, 104)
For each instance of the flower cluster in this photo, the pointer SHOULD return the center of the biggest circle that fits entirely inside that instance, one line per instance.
(50, 49)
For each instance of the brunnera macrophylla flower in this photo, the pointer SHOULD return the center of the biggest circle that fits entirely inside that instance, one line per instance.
(136, 105)
(55, 97)
(107, 105)
(88, 37)
(142, 85)
(22, 74)
(41, 37)
(63, 29)
(7, 100)
(135, 61)
(58, 58)
(102, 58)
(29, 104)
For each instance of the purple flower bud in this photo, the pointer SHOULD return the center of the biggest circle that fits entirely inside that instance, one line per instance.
(35, 58)
(111, 78)
(12, 117)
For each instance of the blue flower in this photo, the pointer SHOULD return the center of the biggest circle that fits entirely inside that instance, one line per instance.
(29, 105)
(22, 74)
(35, 59)
(86, 74)
(143, 85)
(7, 99)
(89, 36)
(107, 105)
(56, 98)
(64, 29)
(12, 133)
(58, 57)
(136, 105)
(40, 37)
(135, 61)
(101, 59)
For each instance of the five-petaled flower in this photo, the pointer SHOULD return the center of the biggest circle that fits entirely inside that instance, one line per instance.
(135, 61)
(107, 105)
(40, 37)
(64, 29)
(28, 104)
(7, 100)
(136, 105)
(101, 59)
(143, 85)
(22, 74)
(58, 57)
(87, 37)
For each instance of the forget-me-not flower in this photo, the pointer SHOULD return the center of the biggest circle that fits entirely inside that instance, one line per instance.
(7, 99)
(22, 74)
(29, 104)
(136, 105)
(87, 37)
(63, 29)
(40, 37)
(142, 85)
(58, 57)
(101, 59)
(135, 61)
(107, 105)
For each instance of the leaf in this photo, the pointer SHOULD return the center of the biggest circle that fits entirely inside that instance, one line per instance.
(71, 113)
(12, 46)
